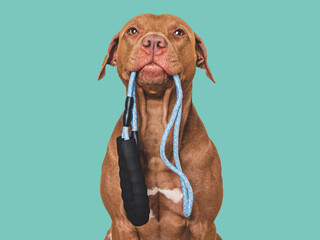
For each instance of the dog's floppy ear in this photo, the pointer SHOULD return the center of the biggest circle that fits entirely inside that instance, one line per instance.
(111, 56)
(202, 57)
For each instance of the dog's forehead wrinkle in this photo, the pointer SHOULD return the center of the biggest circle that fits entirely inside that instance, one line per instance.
(143, 21)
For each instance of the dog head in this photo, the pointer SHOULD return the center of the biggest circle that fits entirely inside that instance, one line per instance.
(156, 47)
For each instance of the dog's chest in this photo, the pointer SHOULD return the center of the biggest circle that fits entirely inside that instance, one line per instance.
(150, 136)
(164, 188)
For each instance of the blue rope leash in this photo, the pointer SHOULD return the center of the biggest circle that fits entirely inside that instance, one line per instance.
(131, 93)
(175, 119)
(187, 192)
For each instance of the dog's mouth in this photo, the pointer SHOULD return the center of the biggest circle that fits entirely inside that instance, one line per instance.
(152, 78)
(152, 73)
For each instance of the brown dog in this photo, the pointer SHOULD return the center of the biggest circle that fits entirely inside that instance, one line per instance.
(157, 47)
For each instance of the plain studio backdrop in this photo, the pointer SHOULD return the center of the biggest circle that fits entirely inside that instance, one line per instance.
(262, 114)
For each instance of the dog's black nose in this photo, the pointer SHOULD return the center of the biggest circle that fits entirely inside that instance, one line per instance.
(154, 44)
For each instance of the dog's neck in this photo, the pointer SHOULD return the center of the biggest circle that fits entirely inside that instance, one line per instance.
(153, 114)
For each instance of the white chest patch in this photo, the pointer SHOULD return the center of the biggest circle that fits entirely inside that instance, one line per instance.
(174, 195)
(151, 215)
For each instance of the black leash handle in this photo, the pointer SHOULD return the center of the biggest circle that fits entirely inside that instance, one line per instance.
(132, 182)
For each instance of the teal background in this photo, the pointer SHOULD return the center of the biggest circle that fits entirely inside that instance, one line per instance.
(262, 114)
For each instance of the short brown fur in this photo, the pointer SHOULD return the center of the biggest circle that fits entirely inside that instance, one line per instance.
(199, 158)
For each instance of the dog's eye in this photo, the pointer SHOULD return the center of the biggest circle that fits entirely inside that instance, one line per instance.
(132, 31)
(179, 32)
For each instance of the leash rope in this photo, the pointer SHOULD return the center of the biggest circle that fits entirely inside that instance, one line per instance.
(175, 119)
(131, 93)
